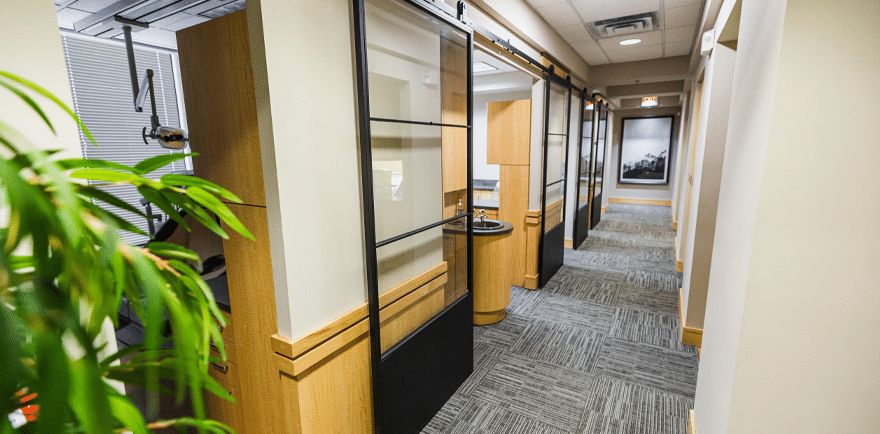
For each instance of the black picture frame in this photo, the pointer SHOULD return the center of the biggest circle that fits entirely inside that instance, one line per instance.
(647, 173)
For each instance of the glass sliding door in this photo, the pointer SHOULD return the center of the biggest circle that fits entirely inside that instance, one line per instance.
(585, 154)
(414, 83)
(600, 132)
(557, 108)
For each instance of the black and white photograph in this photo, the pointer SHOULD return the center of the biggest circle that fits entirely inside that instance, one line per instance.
(644, 151)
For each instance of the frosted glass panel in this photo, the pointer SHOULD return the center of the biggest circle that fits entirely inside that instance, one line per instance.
(407, 177)
(414, 64)
(555, 158)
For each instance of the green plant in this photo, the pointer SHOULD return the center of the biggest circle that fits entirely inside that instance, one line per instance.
(64, 269)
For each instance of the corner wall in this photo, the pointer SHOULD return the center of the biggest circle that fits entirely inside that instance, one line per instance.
(647, 192)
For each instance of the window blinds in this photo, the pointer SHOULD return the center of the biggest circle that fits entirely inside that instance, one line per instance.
(102, 97)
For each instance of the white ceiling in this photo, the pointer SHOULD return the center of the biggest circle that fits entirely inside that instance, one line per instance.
(674, 37)
(165, 17)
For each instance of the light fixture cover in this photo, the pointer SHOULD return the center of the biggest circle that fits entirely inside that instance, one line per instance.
(630, 41)
(649, 101)
(589, 105)
(483, 67)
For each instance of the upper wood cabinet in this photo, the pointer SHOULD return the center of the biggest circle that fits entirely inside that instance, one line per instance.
(510, 132)
(218, 87)
(453, 102)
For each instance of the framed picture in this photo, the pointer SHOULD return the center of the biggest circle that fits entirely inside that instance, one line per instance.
(645, 146)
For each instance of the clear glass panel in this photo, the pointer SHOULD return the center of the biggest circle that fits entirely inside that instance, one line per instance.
(417, 65)
(557, 123)
(399, 262)
(600, 151)
(555, 206)
(555, 158)
(586, 151)
(645, 149)
(407, 177)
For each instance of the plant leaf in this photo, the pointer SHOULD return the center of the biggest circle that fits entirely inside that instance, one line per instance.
(105, 175)
(30, 101)
(156, 198)
(170, 250)
(219, 208)
(186, 181)
(91, 192)
(126, 413)
(36, 88)
(159, 161)
(78, 163)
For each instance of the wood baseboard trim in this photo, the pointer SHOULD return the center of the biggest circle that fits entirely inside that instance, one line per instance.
(689, 335)
(692, 424)
(604, 208)
(530, 282)
(675, 226)
(679, 266)
(296, 348)
(640, 201)
(568, 243)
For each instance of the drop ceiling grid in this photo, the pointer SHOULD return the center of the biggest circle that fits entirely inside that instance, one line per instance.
(675, 37)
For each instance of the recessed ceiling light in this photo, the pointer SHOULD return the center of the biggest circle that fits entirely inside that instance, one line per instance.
(649, 101)
(630, 41)
(483, 67)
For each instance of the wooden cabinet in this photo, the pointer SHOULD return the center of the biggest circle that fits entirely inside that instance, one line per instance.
(509, 132)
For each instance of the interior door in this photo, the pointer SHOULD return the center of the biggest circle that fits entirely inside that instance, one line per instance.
(599, 140)
(557, 111)
(582, 198)
(415, 97)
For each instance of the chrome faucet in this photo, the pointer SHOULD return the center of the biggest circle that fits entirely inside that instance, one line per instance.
(480, 214)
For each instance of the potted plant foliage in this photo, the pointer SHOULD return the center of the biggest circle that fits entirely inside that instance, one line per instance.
(64, 270)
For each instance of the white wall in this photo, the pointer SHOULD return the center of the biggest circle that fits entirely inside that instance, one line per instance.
(708, 163)
(808, 357)
(310, 160)
(482, 169)
(748, 130)
(30, 44)
(627, 191)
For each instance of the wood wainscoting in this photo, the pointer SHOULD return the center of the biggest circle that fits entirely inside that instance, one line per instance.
(639, 201)
(692, 424)
(533, 238)
(568, 243)
(325, 375)
(689, 335)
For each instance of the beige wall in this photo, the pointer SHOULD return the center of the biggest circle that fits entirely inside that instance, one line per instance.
(308, 132)
(626, 191)
(708, 159)
(30, 44)
(809, 351)
(790, 340)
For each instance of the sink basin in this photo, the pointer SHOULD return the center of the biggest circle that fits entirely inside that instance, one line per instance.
(487, 225)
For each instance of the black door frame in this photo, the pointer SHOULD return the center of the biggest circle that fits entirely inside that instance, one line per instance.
(432, 361)
(580, 234)
(599, 108)
(551, 247)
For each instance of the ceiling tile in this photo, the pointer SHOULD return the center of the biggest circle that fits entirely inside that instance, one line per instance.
(679, 34)
(574, 33)
(91, 5)
(635, 53)
(668, 4)
(587, 46)
(541, 3)
(594, 10)
(184, 23)
(648, 38)
(559, 15)
(594, 58)
(678, 49)
(67, 16)
(680, 17)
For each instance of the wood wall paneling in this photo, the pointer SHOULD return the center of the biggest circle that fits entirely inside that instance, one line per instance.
(252, 296)
(215, 69)
(533, 234)
(509, 132)
(513, 203)
(453, 104)
(657, 202)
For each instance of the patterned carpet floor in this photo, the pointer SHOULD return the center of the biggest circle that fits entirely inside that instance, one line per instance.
(597, 350)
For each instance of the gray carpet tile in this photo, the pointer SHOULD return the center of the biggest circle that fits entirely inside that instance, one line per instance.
(654, 328)
(660, 368)
(597, 350)
(480, 417)
(564, 345)
(619, 407)
(647, 299)
(542, 391)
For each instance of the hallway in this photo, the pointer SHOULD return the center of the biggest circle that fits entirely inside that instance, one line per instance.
(597, 350)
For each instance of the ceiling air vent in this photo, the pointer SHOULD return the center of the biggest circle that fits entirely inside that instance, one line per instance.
(627, 25)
